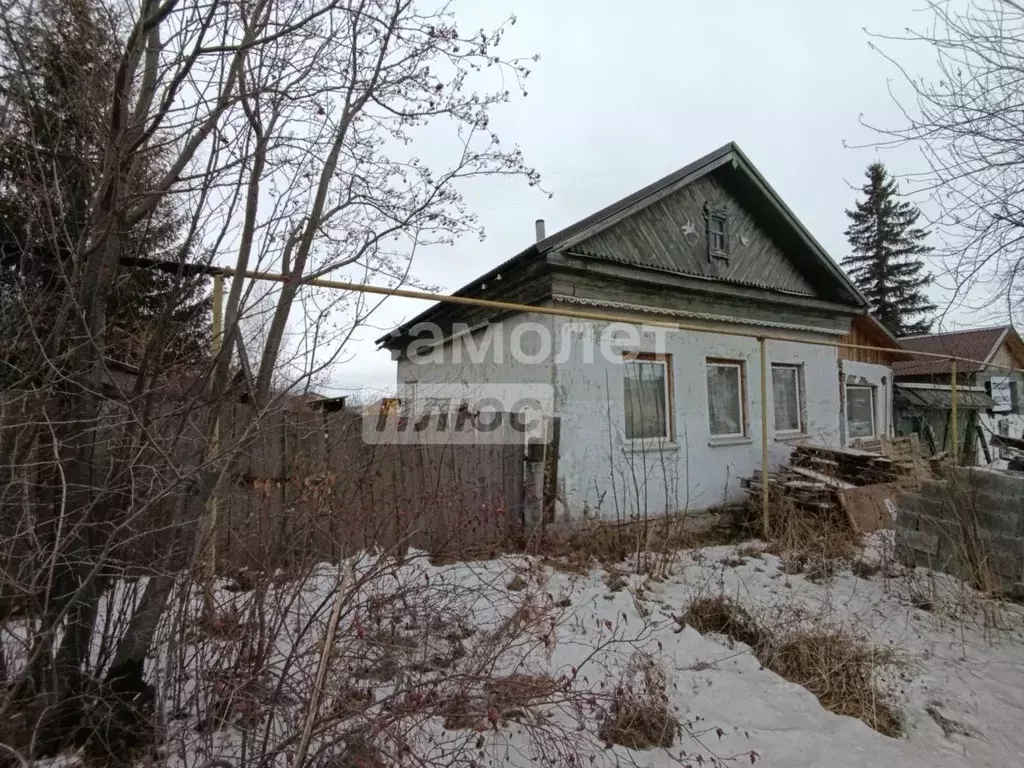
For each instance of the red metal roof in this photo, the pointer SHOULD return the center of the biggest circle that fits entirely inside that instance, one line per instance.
(972, 345)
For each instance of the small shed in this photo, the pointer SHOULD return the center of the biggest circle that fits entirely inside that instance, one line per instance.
(927, 410)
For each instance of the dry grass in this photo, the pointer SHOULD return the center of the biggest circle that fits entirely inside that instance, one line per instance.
(816, 545)
(517, 584)
(359, 752)
(609, 543)
(614, 581)
(862, 569)
(723, 616)
(514, 694)
(839, 669)
(640, 717)
(751, 550)
(833, 664)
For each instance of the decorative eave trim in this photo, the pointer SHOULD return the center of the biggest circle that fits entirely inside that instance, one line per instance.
(707, 316)
(690, 275)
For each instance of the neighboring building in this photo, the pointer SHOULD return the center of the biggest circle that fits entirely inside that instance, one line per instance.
(664, 420)
(989, 397)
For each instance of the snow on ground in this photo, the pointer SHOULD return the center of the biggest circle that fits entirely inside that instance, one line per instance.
(971, 676)
(959, 689)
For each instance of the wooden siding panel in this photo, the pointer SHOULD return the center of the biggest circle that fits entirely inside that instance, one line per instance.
(1004, 356)
(658, 237)
(860, 336)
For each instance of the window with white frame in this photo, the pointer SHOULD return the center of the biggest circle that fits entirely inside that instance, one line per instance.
(787, 398)
(860, 411)
(648, 396)
(726, 407)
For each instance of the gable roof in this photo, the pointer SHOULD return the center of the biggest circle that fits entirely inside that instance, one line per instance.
(744, 181)
(978, 344)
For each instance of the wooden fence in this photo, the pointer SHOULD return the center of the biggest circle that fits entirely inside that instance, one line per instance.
(290, 486)
(307, 483)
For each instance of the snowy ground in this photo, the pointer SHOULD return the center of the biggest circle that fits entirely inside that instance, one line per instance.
(959, 689)
(957, 666)
(969, 674)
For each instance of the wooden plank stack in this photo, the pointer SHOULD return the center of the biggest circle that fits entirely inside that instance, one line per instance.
(905, 454)
(850, 484)
(850, 465)
(805, 489)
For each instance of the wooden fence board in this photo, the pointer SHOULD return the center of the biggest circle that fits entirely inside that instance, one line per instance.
(300, 485)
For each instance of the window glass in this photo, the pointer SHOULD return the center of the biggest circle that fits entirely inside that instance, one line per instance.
(786, 397)
(718, 233)
(646, 392)
(725, 406)
(860, 412)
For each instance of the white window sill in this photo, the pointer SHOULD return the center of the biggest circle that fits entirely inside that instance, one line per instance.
(786, 437)
(651, 446)
(716, 442)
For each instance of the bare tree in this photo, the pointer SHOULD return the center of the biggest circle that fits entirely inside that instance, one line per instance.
(291, 135)
(965, 120)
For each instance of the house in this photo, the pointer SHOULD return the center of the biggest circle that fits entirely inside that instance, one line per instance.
(656, 419)
(988, 397)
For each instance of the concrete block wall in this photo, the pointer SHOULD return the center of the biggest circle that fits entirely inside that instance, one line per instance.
(969, 523)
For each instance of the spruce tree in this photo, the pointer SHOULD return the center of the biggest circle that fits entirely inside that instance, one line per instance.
(885, 263)
(50, 156)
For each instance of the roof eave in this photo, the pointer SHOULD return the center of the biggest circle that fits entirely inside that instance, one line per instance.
(465, 290)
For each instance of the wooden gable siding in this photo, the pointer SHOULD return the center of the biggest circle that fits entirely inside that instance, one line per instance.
(1004, 356)
(861, 334)
(658, 237)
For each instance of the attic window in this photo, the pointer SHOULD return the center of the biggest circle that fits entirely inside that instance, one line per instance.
(718, 233)
(716, 229)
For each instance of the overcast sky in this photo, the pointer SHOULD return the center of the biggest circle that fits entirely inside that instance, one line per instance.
(626, 92)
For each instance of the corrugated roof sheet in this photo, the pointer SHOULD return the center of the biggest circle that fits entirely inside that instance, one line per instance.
(975, 345)
(941, 399)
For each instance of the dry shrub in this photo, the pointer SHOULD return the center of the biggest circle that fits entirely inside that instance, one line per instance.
(640, 717)
(839, 669)
(724, 616)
